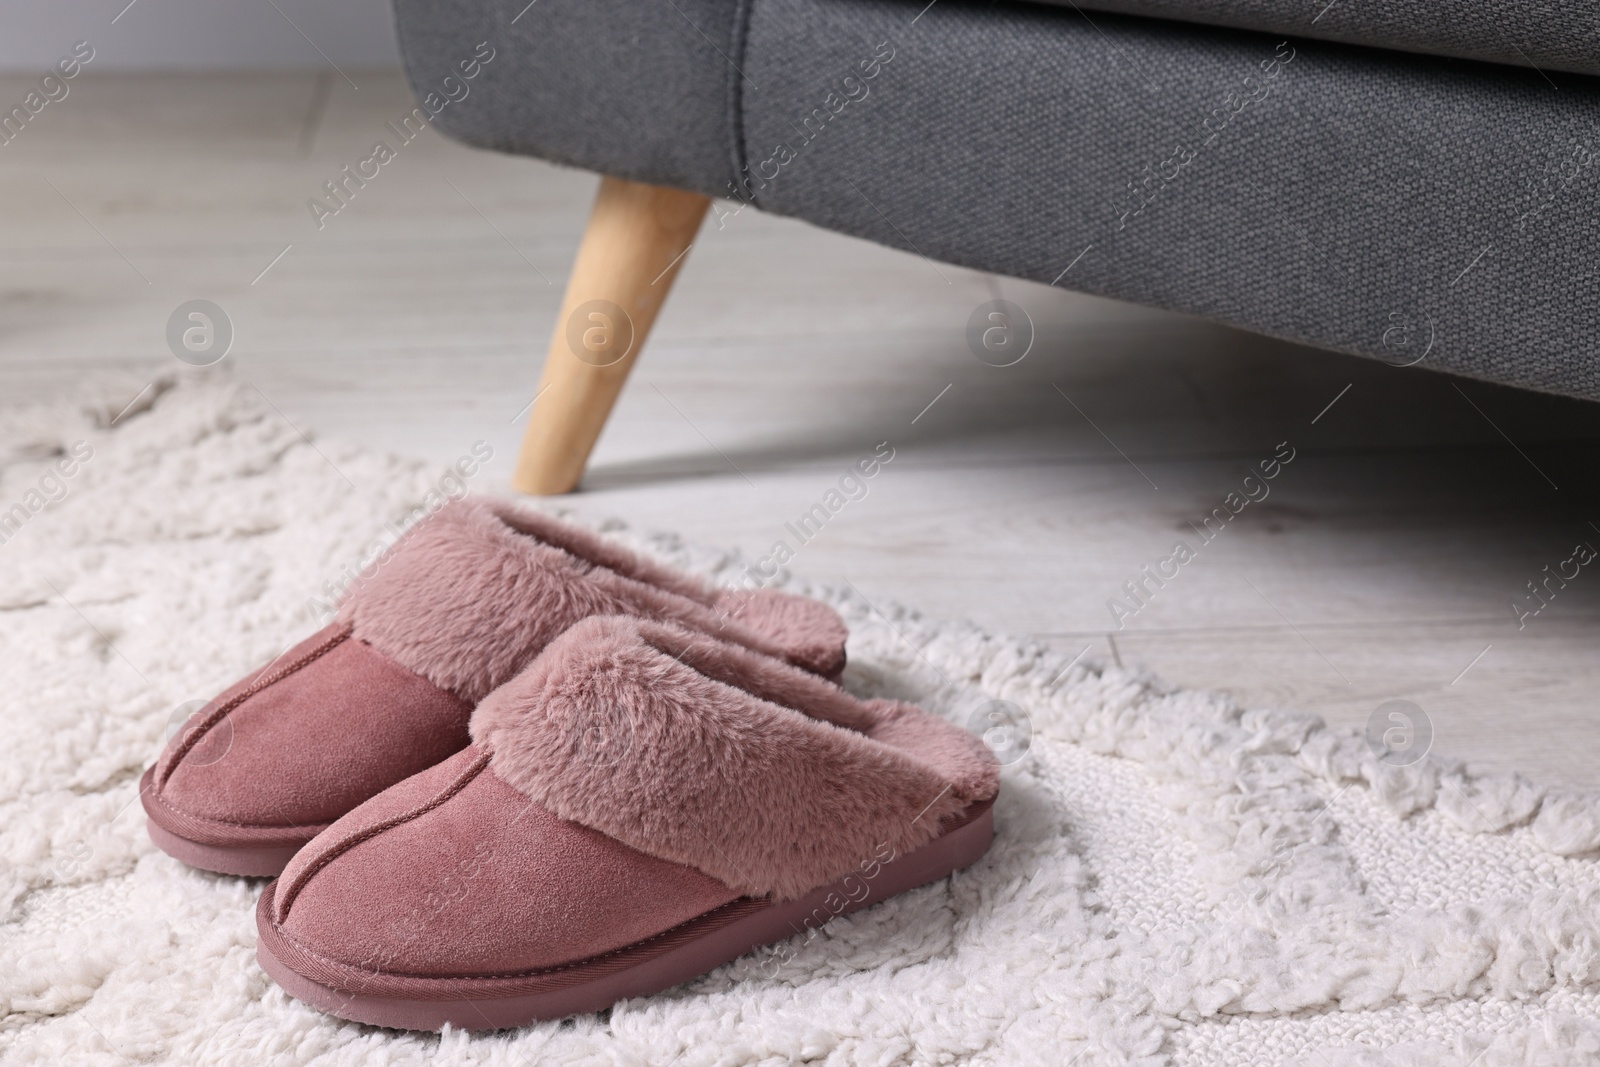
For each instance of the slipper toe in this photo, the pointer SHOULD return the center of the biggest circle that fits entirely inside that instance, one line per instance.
(275, 759)
(455, 874)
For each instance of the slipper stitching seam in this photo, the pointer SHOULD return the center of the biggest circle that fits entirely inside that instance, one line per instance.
(472, 771)
(254, 687)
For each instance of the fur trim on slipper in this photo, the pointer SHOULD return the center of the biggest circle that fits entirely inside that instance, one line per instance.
(704, 753)
(475, 591)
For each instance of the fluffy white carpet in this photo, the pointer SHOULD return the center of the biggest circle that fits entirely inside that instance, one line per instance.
(1175, 880)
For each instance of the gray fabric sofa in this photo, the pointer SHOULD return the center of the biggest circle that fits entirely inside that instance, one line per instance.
(1387, 198)
(1541, 34)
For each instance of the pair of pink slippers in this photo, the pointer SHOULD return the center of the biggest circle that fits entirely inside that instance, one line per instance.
(526, 774)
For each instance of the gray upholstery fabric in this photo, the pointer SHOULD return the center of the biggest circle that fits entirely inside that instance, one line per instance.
(633, 88)
(1547, 34)
(1410, 208)
(1339, 210)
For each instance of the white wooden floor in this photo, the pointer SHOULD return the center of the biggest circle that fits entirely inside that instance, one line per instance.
(1383, 564)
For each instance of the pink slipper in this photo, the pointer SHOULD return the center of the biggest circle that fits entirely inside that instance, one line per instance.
(640, 805)
(462, 604)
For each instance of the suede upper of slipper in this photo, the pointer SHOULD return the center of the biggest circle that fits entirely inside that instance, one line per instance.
(481, 882)
(467, 599)
(329, 724)
(633, 777)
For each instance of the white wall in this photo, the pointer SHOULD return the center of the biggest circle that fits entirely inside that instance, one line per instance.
(197, 34)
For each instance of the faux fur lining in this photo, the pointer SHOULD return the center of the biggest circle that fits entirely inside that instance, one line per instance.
(701, 752)
(813, 633)
(597, 550)
(476, 590)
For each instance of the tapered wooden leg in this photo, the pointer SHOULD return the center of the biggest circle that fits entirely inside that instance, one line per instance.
(631, 252)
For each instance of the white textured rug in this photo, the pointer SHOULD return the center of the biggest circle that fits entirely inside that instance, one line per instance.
(1175, 880)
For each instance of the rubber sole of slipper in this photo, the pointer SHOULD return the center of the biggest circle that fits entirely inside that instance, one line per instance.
(259, 862)
(460, 1003)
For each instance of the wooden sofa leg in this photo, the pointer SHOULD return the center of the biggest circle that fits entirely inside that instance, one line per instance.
(634, 244)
